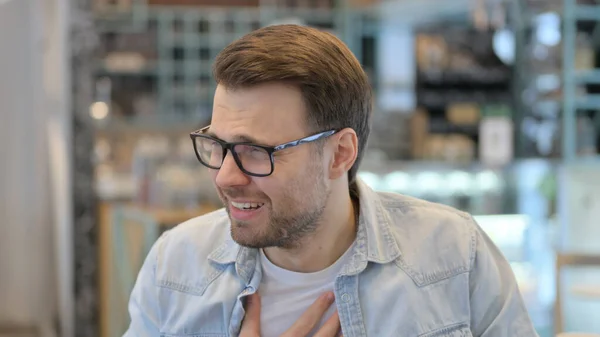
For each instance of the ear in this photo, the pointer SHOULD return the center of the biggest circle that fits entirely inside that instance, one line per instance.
(345, 150)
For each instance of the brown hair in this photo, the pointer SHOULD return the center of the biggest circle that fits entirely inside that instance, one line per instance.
(334, 86)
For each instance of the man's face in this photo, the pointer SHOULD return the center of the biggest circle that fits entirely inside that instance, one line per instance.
(280, 209)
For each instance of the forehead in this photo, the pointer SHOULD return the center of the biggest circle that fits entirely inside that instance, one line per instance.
(269, 113)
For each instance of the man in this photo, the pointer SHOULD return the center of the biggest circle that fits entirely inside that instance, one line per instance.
(299, 231)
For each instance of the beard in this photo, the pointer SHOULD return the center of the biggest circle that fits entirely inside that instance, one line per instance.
(295, 217)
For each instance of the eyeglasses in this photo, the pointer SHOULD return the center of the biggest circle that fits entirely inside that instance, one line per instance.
(252, 159)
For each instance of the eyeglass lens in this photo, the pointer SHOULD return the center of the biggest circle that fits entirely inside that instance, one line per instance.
(253, 159)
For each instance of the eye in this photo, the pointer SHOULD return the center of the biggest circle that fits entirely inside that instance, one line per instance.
(208, 145)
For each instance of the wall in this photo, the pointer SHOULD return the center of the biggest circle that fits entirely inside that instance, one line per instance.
(36, 288)
(58, 115)
(27, 279)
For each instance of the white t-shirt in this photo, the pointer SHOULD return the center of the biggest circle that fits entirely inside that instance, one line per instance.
(285, 295)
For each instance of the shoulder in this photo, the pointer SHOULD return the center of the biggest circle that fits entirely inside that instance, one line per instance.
(409, 212)
(202, 234)
(191, 244)
(432, 237)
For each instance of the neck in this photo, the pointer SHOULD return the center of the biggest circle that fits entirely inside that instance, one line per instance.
(327, 244)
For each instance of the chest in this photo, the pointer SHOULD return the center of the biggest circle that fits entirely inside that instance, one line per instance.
(383, 302)
(283, 304)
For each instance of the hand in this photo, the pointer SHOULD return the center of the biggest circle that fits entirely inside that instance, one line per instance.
(309, 319)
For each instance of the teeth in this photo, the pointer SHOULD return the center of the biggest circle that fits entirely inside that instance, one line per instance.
(246, 205)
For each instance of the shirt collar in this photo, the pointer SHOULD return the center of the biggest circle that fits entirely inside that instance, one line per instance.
(243, 257)
(374, 239)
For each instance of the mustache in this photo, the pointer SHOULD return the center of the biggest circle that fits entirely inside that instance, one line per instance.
(235, 193)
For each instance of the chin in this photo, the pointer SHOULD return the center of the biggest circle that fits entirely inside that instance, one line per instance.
(249, 243)
(245, 236)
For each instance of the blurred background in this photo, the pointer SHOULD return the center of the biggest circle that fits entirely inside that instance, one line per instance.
(490, 106)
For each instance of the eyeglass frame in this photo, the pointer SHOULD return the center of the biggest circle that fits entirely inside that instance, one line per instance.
(229, 146)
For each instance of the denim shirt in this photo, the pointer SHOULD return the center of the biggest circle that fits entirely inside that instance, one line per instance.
(416, 269)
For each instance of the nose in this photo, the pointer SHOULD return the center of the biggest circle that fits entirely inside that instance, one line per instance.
(230, 174)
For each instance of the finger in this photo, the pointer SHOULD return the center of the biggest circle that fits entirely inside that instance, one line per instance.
(331, 328)
(251, 323)
(312, 316)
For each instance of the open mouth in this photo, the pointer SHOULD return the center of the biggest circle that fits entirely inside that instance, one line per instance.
(246, 206)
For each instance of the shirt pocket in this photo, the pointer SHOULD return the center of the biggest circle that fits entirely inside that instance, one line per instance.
(185, 315)
(456, 330)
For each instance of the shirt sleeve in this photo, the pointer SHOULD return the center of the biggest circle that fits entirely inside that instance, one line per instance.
(143, 304)
(497, 307)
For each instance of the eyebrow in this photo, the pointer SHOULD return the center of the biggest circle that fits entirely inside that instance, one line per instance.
(239, 139)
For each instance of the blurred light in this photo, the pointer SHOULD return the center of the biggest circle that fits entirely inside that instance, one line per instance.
(504, 230)
(545, 137)
(529, 127)
(397, 182)
(429, 182)
(102, 150)
(288, 21)
(548, 29)
(396, 63)
(371, 179)
(548, 82)
(540, 52)
(460, 182)
(99, 110)
(125, 61)
(488, 181)
(504, 46)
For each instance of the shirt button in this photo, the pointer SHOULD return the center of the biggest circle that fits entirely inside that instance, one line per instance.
(346, 297)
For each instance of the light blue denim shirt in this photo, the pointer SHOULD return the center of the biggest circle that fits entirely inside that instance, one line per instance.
(416, 269)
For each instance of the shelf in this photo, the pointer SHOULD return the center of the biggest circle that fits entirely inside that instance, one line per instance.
(313, 15)
(150, 123)
(586, 161)
(471, 77)
(149, 70)
(431, 98)
(205, 3)
(174, 216)
(446, 128)
(564, 260)
(587, 102)
(183, 42)
(590, 102)
(587, 291)
(587, 12)
(548, 103)
(588, 77)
